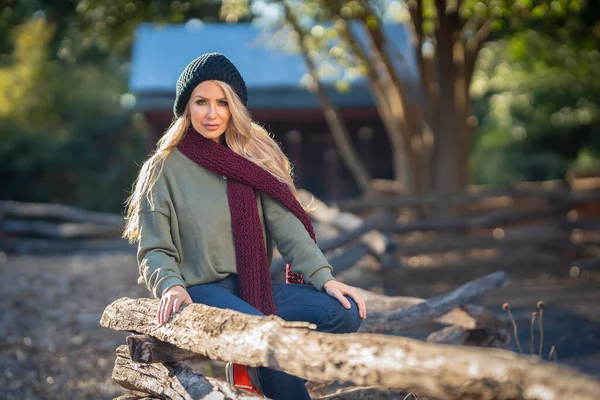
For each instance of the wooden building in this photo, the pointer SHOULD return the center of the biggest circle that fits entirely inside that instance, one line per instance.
(277, 99)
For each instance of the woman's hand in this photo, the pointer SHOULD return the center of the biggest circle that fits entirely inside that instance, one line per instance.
(338, 290)
(170, 301)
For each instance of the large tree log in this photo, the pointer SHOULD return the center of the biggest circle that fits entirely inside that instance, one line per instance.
(51, 246)
(432, 308)
(494, 219)
(173, 381)
(558, 192)
(390, 362)
(468, 316)
(511, 238)
(457, 335)
(321, 212)
(352, 227)
(60, 212)
(66, 230)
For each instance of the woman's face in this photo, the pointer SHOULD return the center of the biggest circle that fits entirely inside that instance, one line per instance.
(209, 110)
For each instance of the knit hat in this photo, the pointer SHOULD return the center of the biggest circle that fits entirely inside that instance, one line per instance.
(209, 66)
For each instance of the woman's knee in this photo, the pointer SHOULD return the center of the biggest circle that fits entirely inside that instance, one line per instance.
(346, 320)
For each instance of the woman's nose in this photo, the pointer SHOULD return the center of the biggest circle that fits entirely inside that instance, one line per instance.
(212, 112)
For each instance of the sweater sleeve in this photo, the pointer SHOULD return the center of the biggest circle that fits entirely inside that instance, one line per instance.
(157, 255)
(295, 244)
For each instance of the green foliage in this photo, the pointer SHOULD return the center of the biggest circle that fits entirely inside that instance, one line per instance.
(63, 134)
(538, 103)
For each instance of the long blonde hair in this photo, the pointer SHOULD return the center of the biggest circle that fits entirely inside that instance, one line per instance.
(243, 136)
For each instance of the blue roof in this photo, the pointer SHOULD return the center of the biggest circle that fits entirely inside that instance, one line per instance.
(273, 76)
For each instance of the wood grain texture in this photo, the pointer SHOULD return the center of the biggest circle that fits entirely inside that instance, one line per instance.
(173, 381)
(394, 363)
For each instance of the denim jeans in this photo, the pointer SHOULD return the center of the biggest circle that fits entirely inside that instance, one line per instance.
(293, 303)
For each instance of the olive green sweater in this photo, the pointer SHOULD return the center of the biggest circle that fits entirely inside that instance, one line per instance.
(186, 237)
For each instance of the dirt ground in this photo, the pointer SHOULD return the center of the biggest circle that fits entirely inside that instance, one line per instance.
(52, 347)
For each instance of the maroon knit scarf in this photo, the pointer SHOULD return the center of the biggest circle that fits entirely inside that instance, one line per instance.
(244, 178)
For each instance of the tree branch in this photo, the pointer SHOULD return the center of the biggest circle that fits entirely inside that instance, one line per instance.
(339, 131)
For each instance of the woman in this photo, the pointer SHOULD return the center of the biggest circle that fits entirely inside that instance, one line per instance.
(205, 210)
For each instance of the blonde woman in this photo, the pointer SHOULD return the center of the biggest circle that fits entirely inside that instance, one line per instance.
(205, 210)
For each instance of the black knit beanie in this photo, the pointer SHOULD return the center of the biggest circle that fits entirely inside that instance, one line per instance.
(210, 66)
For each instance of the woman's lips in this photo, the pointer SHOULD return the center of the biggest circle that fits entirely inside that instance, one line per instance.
(211, 127)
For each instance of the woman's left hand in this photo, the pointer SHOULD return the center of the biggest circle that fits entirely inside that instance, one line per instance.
(338, 290)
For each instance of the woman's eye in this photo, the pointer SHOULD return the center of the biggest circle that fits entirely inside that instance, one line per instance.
(223, 103)
(200, 102)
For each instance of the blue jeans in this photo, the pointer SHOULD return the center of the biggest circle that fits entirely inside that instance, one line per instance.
(293, 303)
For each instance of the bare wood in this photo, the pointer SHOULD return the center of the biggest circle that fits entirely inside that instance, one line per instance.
(67, 230)
(510, 238)
(35, 245)
(556, 191)
(432, 308)
(363, 227)
(390, 362)
(173, 381)
(362, 393)
(354, 227)
(344, 221)
(457, 335)
(49, 211)
(467, 316)
(147, 349)
(488, 220)
(529, 260)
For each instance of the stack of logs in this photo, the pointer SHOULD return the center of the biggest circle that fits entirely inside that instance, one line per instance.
(369, 364)
(29, 228)
(543, 226)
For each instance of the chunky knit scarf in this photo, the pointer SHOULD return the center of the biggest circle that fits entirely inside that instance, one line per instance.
(244, 178)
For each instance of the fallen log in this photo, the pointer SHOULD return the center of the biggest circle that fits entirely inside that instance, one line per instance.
(364, 393)
(321, 212)
(495, 219)
(394, 363)
(432, 308)
(510, 238)
(52, 246)
(363, 227)
(468, 316)
(353, 227)
(66, 230)
(59, 212)
(147, 349)
(558, 192)
(172, 381)
(457, 335)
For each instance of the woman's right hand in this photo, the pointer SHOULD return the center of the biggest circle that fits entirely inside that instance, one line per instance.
(170, 302)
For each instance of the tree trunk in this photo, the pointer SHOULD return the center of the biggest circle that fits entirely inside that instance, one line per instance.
(339, 132)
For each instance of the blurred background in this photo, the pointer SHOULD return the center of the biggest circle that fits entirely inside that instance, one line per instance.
(473, 124)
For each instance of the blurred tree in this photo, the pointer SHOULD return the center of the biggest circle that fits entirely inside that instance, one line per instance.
(430, 132)
(542, 87)
(63, 135)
